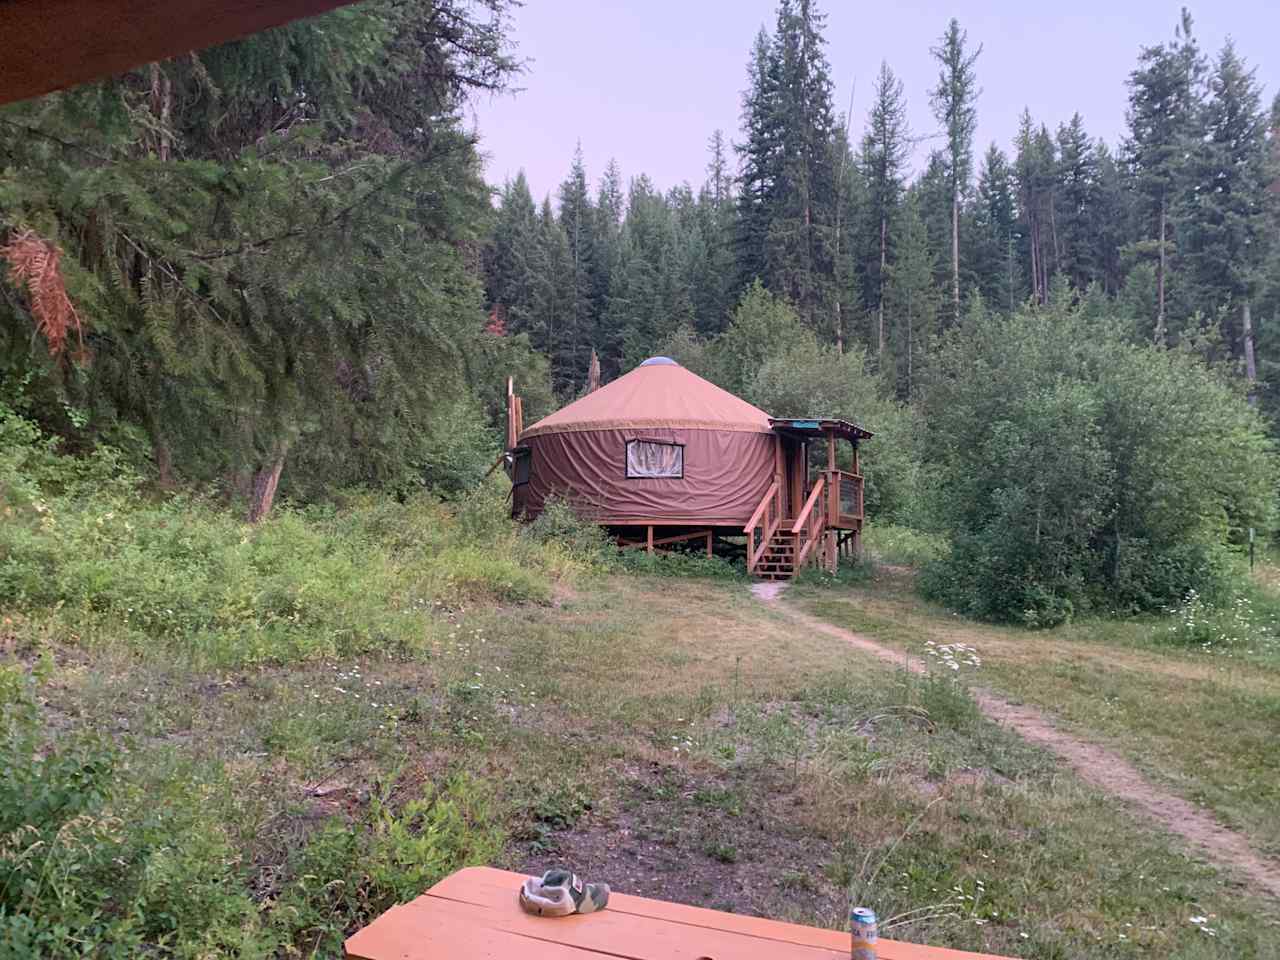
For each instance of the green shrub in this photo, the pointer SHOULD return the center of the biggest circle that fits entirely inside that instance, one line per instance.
(677, 563)
(99, 858)
(896, 544)
(181, 575)
(1069, 478)
(348, 874)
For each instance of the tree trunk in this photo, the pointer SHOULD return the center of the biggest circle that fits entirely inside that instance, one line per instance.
(265, 478)
(955, 254)
(1035, 257)
(1159, 338)
(1053, 234)
(884, 233)
(1250, 364)
(164, 463)
(161, 109)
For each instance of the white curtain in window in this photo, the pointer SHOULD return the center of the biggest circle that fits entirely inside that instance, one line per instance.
(647, 458)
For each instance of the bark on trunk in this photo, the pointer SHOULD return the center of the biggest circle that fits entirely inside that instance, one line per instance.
(265, 479)
(955, 255)
(164, 463)
(1035, 259)
(161, 108)
(884, 233)
(1053, 233)
(1159, 338)
(1250, 363)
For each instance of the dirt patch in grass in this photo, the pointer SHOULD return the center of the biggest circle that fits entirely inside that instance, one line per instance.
(706, 839)
(1103, 768)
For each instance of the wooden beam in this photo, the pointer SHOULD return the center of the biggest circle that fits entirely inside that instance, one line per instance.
(651, 538)
(52, 44)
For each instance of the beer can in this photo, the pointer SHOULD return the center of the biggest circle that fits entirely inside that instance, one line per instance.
(862, 924)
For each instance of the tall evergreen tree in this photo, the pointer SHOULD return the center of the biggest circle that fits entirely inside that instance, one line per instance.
(886, 146)
(511, 260)
(760, 156)
(1075, 195)
(1035, 172)
(713, 284)
(954, 102)
(1164, 114)
(606, 240)
(270, 236)
(798, 252)
(911, 298)
(1109, 219)
(1225, 220)
(578, 221)
(996, 239)
(719, 179)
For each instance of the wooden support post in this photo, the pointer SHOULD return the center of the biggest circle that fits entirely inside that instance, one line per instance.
(649, 548)
(831, 450)
(709, 544)
(511, 413)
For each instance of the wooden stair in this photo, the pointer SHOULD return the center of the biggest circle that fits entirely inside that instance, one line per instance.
(779, 560)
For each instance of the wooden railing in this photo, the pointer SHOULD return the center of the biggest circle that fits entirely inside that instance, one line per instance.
(810, 527)
(844, 499)
(763, 524)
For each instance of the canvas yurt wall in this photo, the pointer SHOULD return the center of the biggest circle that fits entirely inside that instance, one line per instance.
(659, 445)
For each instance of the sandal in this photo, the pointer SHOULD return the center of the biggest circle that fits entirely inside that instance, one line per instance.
(558, 893)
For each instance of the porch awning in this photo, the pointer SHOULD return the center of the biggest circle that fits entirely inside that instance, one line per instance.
(820, 427)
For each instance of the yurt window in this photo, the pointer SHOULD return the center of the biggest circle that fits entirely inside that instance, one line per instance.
(653, 458)
(521, 458)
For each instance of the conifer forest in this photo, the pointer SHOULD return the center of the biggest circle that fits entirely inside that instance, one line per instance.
(276, 656)
(276, 264)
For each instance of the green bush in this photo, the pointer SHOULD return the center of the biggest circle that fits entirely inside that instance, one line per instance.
(1076, 471)
(179, 574)
(96, 860)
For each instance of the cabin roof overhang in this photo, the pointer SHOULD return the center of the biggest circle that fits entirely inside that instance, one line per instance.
(51, 44)
(819, 427)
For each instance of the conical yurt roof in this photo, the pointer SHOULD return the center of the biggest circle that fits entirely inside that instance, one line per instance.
(658, 393)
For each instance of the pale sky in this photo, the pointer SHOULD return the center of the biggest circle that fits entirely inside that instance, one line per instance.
(647, 82)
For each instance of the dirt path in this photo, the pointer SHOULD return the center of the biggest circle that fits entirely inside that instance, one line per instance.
(1094, 764)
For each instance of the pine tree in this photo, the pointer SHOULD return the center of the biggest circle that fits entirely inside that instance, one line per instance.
(954, 105)
(578, 221)
(760, 156)
(911, 298)
(1075, 195)
(997, 241)
(1109, 219)
(606, 239)
(1035, 171)
(719, 179)
(1225, 217)
(799, 244)
(272, 237)
(510, 259)
(885, 149)
(713, 283)
(1164, 113)
(554, 330)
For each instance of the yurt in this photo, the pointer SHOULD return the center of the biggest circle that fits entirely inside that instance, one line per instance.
(661, 456)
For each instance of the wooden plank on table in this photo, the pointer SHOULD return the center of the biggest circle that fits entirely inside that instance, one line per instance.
(495, 890)
(435, 928)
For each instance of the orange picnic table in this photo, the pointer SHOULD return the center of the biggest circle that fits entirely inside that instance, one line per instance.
(474, 914)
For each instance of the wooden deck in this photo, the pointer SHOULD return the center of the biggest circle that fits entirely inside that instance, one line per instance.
(474, 914)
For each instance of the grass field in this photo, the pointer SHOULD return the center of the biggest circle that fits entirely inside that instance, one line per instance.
(671, 736)
(1202, 722)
